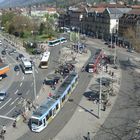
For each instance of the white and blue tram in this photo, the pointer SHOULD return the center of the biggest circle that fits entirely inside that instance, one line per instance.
(48, 110)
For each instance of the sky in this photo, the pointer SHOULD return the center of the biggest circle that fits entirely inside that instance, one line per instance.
(1, 0)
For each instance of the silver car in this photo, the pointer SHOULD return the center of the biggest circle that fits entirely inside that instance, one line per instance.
(3, 95)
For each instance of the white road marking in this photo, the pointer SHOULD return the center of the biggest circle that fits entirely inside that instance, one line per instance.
(14, 101)
(13, 59)
(22, 78)
(16, 91)
(27, 92)
(10, 111)
(37, 97)
(6, 103)
(36, 70)
(17, 73)
(5, 117)
(21, 84)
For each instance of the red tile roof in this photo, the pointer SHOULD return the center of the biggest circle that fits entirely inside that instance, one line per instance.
(134, 11)
(106, 5)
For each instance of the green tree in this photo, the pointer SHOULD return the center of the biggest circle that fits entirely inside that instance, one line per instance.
(6, 19)
(41, 28)
(49, 25)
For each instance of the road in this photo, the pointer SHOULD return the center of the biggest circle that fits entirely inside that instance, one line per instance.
(15, 83)
(18, 82)
(122, 120)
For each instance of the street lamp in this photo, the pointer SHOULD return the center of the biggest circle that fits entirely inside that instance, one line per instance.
(80, 19)
(100, 94)
(115, 50)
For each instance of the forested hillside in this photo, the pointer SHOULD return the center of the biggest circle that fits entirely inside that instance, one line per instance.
(59, 3)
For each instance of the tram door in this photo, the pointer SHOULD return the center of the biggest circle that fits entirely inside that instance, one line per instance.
(44, 122)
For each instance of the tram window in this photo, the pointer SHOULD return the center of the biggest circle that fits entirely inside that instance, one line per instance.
(54, 112)
(69, 90)
(63, 98)
(40, 122)
(47, 117)
(73, 84)
(57, 106)
(50, 113)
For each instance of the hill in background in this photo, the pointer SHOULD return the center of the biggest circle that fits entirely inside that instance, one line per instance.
(59, 3)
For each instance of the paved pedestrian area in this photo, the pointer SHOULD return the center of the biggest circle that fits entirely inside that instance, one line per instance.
(85, 118)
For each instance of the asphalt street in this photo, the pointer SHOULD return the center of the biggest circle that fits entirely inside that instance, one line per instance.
(15, 83)
(122, 120)
(18, 82)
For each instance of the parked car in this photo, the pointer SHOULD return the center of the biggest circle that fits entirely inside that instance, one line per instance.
(130, 50)
(16, 68)
(3, 95)
(21, 56)
(37, 51)
(12, 51)
(111, 46)
(51, 82)
(3, 52)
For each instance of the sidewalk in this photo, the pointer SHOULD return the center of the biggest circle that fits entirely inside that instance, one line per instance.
(22, 128)
(85, 118)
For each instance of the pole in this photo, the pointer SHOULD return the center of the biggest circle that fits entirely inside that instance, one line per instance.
(100, 95)
(115, 52)
(34, 82)
(111, 39)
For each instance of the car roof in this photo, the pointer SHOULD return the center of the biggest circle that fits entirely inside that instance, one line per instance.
(3, 91)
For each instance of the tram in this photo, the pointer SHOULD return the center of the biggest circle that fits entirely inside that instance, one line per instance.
(48, 110)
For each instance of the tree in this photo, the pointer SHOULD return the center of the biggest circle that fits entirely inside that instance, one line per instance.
(130, 34)
(6, 19)
(49, 25)
(41, 28)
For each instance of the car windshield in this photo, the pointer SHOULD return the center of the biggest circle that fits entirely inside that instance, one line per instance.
(2, 93)
(28, 68)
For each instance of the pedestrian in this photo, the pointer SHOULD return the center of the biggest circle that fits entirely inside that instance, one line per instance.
(4, 129)
(106, 68)
(24, 117)
(14, 124)
(112, 74)
(88, 136)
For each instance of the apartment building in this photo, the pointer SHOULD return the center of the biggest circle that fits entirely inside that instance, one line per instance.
(98, 21)
(129, 26)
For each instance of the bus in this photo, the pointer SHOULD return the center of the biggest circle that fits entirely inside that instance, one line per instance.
(44, 60)
(26, 66)
(55, 42)
(46, 112)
